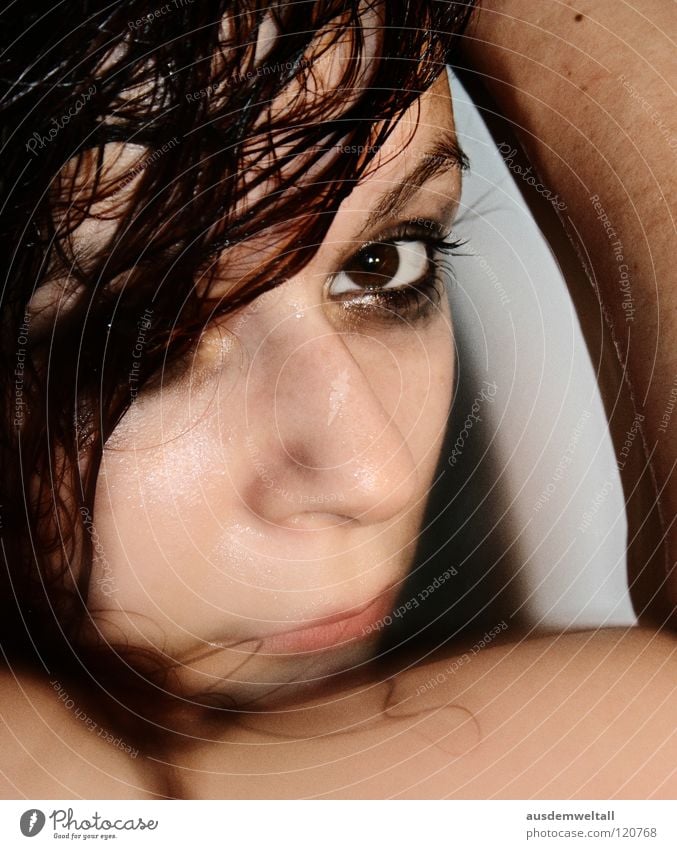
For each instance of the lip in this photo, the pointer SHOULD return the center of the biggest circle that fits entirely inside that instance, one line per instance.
(333, 631)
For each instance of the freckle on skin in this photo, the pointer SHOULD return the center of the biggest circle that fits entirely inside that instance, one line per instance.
(578, 18)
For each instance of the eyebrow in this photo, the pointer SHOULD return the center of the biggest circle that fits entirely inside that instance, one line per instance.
(445, 155)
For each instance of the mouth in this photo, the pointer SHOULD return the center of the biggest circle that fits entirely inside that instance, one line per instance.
(334, 631)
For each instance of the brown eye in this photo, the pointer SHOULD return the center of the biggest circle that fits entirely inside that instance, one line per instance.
(374, 265)
(383, 265)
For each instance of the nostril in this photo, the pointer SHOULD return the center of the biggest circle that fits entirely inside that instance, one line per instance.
(316, 521)
(331, 449)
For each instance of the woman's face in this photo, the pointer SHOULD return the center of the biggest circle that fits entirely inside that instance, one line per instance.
(280, 479)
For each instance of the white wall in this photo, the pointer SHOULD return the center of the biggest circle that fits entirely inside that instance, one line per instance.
(516, 327)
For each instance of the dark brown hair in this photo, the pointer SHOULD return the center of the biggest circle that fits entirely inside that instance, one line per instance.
(184, 82)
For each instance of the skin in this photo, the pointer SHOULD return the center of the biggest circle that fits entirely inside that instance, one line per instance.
(582, 716)
(282, 477)
(52, 749)
(588, 86)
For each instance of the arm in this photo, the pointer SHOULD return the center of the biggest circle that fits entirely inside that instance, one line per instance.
(52, 748)
(582, 716)
(589, 87)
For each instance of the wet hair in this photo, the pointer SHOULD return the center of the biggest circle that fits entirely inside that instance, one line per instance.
(232, 145)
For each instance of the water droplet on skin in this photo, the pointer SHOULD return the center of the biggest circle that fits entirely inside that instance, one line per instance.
(338, 394)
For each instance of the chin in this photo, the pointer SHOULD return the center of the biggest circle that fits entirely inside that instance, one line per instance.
(271, 681)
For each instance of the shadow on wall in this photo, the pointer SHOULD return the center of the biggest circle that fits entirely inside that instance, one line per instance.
(466, 576)
(492, 549)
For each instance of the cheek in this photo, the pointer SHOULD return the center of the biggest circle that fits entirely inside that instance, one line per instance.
(150, 516)
(163, 491)
(163, 510)
(412, 373)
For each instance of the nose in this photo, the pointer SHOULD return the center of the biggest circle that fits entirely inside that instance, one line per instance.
(321, 436)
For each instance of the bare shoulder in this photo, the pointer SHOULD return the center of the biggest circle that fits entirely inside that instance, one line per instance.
(583, 715)
(52, 749)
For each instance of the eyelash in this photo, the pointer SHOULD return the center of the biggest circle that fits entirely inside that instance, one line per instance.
(409, 303)
(406, 304)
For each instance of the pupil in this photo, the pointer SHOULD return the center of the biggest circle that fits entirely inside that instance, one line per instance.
(375, 265)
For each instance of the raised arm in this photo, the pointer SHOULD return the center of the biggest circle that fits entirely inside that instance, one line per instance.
(590, 88)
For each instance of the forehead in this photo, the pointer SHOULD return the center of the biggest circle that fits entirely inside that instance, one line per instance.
(413, 138)
(422, 151)
(427, 126)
